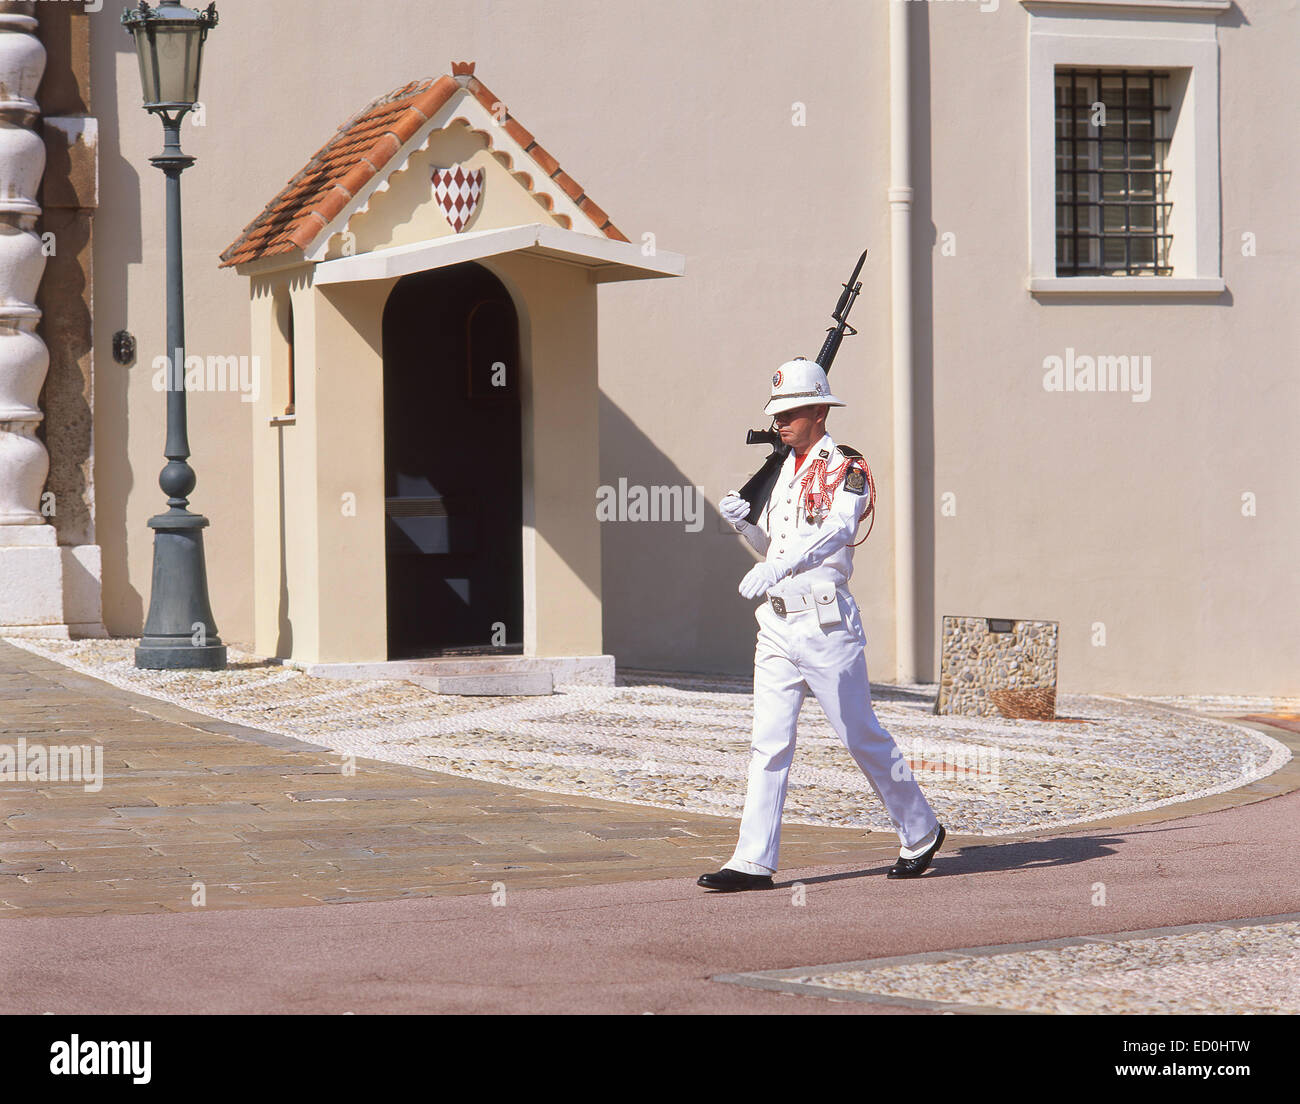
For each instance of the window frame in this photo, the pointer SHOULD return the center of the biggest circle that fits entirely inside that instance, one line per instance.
(1083, 194)
(1178, 38)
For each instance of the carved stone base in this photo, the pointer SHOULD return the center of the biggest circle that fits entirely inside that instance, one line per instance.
(48, 590)
(31, 565)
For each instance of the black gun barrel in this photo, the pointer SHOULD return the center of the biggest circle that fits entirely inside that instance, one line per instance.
(830, 346)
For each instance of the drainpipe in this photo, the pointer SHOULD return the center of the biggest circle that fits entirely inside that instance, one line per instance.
(900, 276)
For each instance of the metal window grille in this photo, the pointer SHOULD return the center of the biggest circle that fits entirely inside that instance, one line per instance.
(1112, 187)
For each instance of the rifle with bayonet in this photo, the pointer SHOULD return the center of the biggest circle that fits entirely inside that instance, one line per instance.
(759, 488)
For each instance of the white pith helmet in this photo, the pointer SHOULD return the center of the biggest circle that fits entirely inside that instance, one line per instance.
(800, 382)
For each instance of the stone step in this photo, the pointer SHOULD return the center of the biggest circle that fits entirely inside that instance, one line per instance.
(505, 684)
(470, 665)
(585, 670)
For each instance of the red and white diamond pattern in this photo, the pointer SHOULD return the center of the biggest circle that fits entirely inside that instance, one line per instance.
(457, 193)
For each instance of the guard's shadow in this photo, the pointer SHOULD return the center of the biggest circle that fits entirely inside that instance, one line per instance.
(988, 858)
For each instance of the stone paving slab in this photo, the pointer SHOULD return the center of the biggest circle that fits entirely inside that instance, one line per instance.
(238, 807)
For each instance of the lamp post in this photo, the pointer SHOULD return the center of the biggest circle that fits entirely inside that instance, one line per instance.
(179, 631)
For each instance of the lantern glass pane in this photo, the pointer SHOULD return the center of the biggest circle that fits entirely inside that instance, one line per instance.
(178, 63)
(148, 59)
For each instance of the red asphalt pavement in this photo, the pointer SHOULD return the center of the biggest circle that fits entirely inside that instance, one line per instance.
(651, 946)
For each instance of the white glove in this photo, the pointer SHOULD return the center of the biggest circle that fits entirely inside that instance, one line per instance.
(759, 579)
(734, 508)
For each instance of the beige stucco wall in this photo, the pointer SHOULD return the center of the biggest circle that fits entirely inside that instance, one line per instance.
(1081, 508)
(1092, 509)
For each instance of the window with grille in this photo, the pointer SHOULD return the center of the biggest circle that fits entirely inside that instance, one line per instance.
(1112, 187)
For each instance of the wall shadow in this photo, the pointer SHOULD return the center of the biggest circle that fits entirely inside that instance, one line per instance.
(1131, 299)
(118, 238)
(669, 594)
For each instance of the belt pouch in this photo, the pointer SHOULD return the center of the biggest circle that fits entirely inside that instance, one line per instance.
(827, 601)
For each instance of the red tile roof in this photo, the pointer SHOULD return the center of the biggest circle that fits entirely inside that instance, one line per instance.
(363, 146)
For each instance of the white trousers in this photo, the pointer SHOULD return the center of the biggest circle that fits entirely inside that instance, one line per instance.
(795, 654)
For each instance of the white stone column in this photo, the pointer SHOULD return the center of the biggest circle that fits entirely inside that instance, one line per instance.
(31, 572)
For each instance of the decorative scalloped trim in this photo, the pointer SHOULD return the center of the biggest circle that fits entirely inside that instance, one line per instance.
(545, 201)
(384, 185)
(503, 157)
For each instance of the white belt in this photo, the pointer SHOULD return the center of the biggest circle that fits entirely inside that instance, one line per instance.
(794, 604)
(821, 597)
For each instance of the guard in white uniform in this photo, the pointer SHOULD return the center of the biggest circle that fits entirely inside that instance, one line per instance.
(810, 635)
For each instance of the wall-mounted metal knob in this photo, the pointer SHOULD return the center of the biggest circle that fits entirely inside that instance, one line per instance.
(123, 347)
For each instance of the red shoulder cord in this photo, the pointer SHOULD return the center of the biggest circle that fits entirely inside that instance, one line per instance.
(816, 504)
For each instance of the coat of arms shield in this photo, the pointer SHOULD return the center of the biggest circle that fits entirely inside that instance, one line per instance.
(457, 191)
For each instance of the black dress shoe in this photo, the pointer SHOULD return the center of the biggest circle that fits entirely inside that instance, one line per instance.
(731, 881)
(914, 868)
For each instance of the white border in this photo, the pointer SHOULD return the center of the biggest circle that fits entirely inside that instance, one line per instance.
(608, 259)
(1092, 41)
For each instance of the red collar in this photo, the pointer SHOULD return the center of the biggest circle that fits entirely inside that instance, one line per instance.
(799, 458)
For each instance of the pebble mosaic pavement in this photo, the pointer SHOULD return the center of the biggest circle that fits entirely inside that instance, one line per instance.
(681, 742)
(1235, 969)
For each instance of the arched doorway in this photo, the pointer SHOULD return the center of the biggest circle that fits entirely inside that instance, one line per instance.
(452, 465)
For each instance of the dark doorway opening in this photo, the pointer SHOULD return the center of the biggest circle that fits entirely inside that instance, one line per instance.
(453, 480)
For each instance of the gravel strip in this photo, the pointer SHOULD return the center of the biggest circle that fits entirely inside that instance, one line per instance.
(1229, 970)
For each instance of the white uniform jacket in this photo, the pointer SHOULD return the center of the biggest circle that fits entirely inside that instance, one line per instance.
(810, 552)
